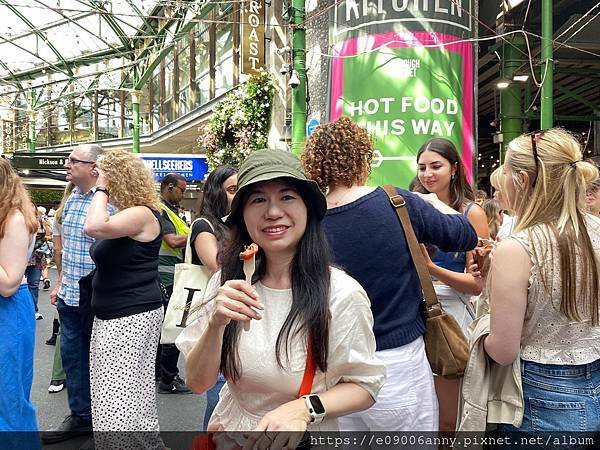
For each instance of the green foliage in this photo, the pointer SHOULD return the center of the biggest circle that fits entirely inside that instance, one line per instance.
(240, 122)
(45, 196)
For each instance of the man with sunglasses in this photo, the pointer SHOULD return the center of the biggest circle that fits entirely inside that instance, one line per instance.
(175, 233)
(76, 263)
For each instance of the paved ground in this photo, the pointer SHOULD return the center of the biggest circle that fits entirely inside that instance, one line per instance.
(175, 412)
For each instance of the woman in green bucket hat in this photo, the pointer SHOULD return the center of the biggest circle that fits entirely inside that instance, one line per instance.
(303, 313)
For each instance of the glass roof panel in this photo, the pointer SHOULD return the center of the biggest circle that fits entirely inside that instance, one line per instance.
(38, 33)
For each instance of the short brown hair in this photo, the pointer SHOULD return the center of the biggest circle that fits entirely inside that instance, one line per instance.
(338, 154)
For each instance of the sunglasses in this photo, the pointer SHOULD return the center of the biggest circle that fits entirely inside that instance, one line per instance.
(534, 138)
(75, 161)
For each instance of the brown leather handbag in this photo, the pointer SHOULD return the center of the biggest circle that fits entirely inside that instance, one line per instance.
(445, 343)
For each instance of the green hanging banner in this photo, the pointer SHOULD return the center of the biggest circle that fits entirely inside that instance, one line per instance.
(404, 70)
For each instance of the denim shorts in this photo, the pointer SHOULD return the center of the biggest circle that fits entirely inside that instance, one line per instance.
(560, 397)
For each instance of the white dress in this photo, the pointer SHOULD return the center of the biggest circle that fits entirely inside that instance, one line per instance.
(263, 385)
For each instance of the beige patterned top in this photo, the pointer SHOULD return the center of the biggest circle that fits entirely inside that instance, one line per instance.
(264, 385)
(548, 336)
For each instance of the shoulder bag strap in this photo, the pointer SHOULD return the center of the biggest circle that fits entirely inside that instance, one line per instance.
(398, 203)
(309, 372)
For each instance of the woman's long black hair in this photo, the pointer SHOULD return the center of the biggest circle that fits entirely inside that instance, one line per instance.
(460, 190)
(309, 315)
(213, 204)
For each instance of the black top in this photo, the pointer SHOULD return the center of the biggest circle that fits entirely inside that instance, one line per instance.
(126, 280)
(199, 226)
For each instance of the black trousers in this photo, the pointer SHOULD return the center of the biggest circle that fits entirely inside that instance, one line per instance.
(167, 355)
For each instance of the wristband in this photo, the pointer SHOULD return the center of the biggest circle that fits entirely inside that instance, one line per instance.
(101, 189)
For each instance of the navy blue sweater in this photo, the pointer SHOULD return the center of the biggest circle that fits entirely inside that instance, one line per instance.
(367, 242)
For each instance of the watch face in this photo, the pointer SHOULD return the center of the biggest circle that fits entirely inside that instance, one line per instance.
(318, 407)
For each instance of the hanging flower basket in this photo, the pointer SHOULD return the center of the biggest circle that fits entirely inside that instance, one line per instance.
(240, 122)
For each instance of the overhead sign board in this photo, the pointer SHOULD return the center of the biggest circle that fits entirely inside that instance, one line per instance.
(190, 166)
(40, 161)
(253, 36)
(425, 48)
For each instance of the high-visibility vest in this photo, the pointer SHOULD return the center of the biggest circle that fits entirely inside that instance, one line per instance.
(169, 256)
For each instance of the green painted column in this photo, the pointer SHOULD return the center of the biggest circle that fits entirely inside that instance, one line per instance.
(135, 108)
(31, 128)
(299, 64)
(547, 107)
(32, 136)
(511, 105)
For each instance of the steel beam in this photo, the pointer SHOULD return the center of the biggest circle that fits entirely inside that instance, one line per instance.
(577, 97)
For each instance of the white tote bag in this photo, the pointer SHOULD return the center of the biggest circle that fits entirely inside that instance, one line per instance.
(188, 292)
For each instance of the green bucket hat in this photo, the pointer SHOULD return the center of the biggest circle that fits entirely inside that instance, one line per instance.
(269, 164)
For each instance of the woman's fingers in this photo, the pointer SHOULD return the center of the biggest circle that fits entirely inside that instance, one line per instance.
(238, 307)
(241, 291)
(237, 300)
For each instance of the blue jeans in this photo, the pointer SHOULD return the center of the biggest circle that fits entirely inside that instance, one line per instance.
(33, 274)
(18, 425)
(75, 353)
(559, 397)
(212, 398)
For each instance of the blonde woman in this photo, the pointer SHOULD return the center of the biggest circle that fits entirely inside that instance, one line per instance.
(494, 215)
(508, 221)
(126, 303)
(18, 225)
(544, 286)
(592, 198)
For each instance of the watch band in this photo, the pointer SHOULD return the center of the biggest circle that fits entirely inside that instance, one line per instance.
(316, 412)
(101, 189)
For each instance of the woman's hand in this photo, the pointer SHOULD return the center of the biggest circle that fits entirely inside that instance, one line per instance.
(428, 262)
(100, 177)
(473, 268)
(234, 301)
(281, 428)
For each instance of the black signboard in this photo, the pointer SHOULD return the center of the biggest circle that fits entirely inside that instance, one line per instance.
(40, 161)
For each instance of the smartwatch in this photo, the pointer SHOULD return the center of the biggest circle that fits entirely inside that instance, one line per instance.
(101, 189)
(315, 407)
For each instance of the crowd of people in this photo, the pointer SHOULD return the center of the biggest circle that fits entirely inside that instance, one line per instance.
(327, 333)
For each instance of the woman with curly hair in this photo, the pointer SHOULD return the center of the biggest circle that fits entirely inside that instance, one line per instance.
(126, 302)
(368, 242)
(18, 225)
(497, 178)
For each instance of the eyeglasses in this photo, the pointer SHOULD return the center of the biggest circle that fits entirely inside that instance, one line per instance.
(75, 161)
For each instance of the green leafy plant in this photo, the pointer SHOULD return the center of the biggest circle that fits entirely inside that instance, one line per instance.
(45, 196)
(240, 122)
